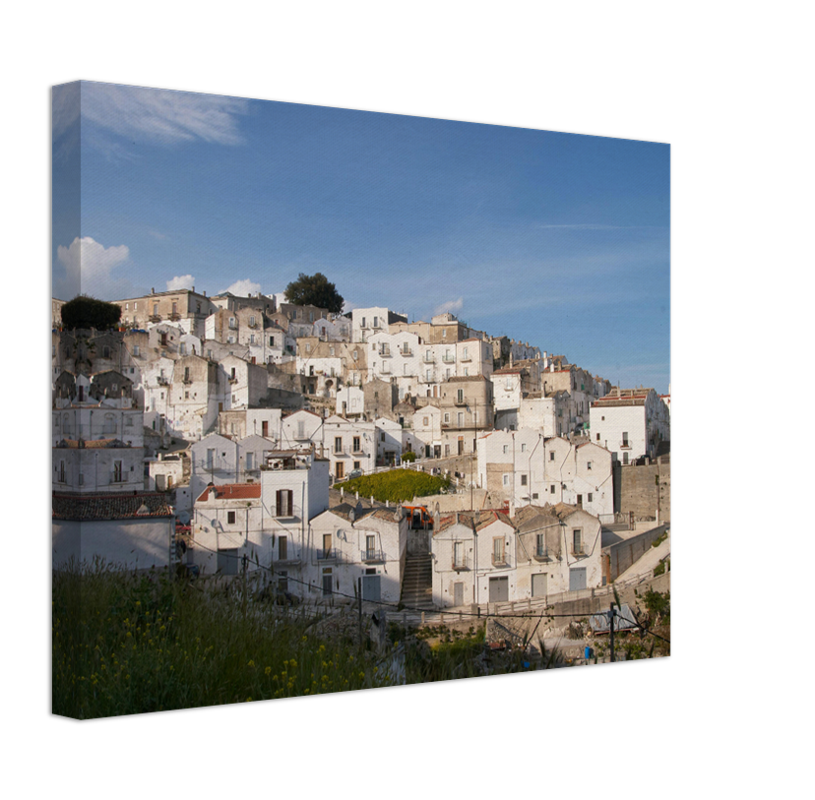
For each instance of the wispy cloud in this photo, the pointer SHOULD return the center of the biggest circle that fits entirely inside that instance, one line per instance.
(243, 288)
(450, 305)
(161, 116)
(590, 226)
(180, 282)
(88, 267)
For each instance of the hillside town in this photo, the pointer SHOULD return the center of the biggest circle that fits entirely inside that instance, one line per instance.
(217, 434)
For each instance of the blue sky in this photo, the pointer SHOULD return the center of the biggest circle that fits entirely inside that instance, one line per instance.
(561, 240)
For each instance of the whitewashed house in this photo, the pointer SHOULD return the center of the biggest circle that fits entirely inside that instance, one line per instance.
(299, 429)
(426, 431)
(268, 523)
(349, 445)
(389, 441)
(350, 402)
(631, 423)
(356, 550)
(127, 531)
(213, 459)
(523, 468)
(474, 559)
(559, 550)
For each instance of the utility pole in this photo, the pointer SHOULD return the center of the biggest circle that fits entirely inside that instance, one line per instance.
(611, 629)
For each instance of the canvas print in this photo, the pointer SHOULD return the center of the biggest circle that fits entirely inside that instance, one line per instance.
(345, 400)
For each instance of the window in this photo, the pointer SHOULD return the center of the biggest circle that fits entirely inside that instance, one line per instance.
(625, 458)
(460, 396)
(506, 479)
(252, 321)
(580, 499)
(540, 549)
(446, 417)
(458, 555)
(182, 348)
(523, 447)
(326, 545)
(232, 322)
(506, 448)
(523, 480)
(577, 541)
(136, 350)
(376, 322)
(534, 495)
(598, 437)
(425, 420)
(444, 333)
(117, 472)
(285, 505)
(338, 444)
(370, 546)
(301, 429)
(382, 436)
(498, 550)
(589, 496)
(625, 438)
(552, 489)
(271, 341)
(210, 458)
(588, 465)
(250, 461)
(460, 419)
(357, 447)
(230, 517)
(551, 455)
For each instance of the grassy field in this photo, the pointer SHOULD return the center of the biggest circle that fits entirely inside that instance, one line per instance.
(127, 645)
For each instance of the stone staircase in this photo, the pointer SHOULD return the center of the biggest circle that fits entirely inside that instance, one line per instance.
(417, 583)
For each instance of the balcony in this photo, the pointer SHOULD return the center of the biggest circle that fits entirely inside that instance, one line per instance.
(425, 379)
(542, 556)
(466, 357)
(579, 552)
(233, 379)
(253, 324)
(118, 477)
(405, 351)
(461, 564)
(187, 380)
(429, 358)
(448, 359)
(460, 401)
(330, 556)
(175, 316)
(154, 318)
(372, 556)
(385, 352)
(162, 380)
(499, 560)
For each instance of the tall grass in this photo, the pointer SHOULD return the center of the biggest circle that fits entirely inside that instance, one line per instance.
(127, 644)
(396, 485)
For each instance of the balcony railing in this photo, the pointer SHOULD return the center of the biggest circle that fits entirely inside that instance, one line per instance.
(186, 379)
(461, 563)
(499, 560)
(385, 352)
(465, 358)
(405, 351)
(460, 401)
(162, 380)
(175, 316)
(154, 318)
(429, 358)
(118, 477)
(448, 359)
(371, 556)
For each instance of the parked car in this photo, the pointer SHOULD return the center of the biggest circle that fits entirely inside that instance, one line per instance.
(354, 473)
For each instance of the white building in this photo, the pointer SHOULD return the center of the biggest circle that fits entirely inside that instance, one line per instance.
(559, 550)
(474, 559)
(631, 423)
(523, 468)
(268, 523)
(127, 531)
(353, 550)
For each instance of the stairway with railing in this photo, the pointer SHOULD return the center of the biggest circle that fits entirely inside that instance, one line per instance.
(417, 582)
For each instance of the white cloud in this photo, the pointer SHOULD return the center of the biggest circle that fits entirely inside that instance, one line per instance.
(450, 305)
(163, 116)
(89, 269)
(243, 288)
(180, 282)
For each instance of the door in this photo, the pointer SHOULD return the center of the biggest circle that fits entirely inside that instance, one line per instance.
(283, 551)
(499, 590)
(228, 562)
(264, 429)
(340, 470)
(458, 594)
(539, 585)
(577, 579)
(371, 589)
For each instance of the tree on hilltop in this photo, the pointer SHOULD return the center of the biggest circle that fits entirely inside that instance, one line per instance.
(314, 290)
(88, 312)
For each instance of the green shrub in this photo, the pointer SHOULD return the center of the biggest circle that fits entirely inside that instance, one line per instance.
(396, 485)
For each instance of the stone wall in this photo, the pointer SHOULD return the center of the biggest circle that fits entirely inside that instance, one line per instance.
(645, 488)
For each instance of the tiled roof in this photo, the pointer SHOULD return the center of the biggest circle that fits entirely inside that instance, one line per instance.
(230, 491)
(111, 506)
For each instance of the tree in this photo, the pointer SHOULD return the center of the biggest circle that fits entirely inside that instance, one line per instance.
(314, 290)
(88, 312)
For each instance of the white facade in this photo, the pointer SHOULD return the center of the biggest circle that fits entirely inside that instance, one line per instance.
(300, 429)
(347, 555)
(268, 523)
(349, 445)
(523, 468)
(630, 426)
(474, 559)
(559, 551)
